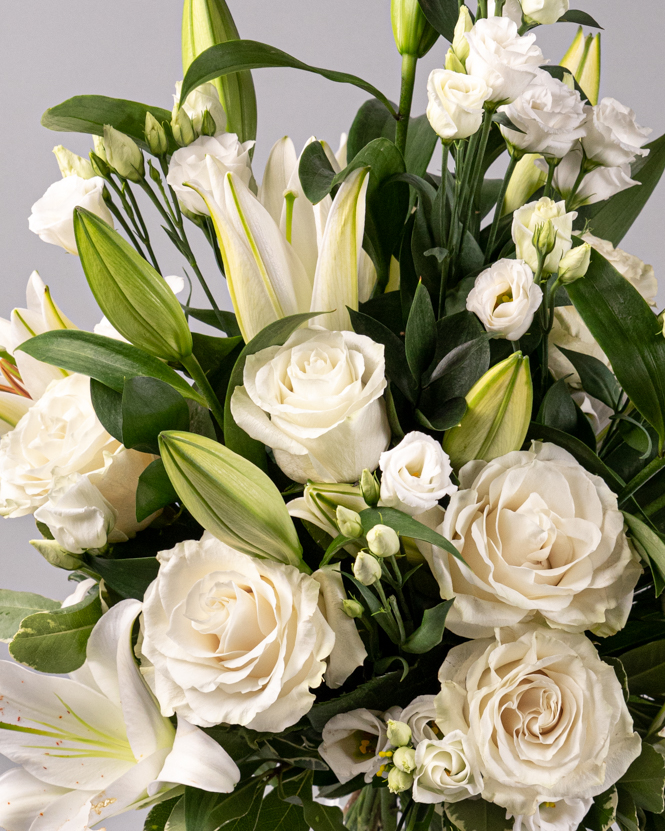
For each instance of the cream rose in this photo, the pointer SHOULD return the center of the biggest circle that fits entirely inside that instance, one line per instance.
(446, 770)
(231, 638)
(204, 98)
(541, 538)
(529, 217)
(544, 11)
(564, 815)
(352, 742)
(456, 101)
(505, 297)
(613, 136)
(317, 402)
(545, 716)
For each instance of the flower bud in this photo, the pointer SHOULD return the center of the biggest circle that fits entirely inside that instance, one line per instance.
(399, 733)
(100, 150)
(404, 758)
(525, 181)
(544, 238)
(56, 555)
(99, 165)
(460, 44)
(208, 126)
(370, 488)
(349, 522)
(383, 541)
(181, 127)
(583, 59)
(72, 165)
(123, 154)
(366, 569)
(498, 414)
(352, 608)
(155, 135)
(411, 29)
(399, 781)
(452, 62)
(575, 264)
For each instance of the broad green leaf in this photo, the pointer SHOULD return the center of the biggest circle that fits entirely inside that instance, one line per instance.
(154, 490)
(372, 695)
(558, 409)
(645, 667)
(278, 815)
(249, 820)
(237, 804)
(629, 333)
(602, 813)
(316, 173)
(596, 378)
(107, 404)
(159, 815)
(578, 16)
(176, 820)
(442, 15)
(15, 606)
(406, 526)
(373, 120)
(645, 780)
(225, 321)
(239, 55)
(128, 578)
(651, 546)
(150, 406)
(211, 351)
(446, 416)
(107, 360)
(321, 817)
(420, 341)
(89, 114)
(56, 641)
(198, 807)
(430, 632)
(478, 815)
(421, 143)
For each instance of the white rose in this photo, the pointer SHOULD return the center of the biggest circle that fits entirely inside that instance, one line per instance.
(445, 770)
(232, 638)
(503, 59)
(551, 116)
(545, 11)
(420, 715)
(352, 742)
(416, 474)
(456, 101)
(505, 298)
(564, 815)
(204, 161)
(204, 97)
(598, 185)
(317, 402)
(529, 217)
(546, 716)
(52, 217)
(541, 538)
(613, 136)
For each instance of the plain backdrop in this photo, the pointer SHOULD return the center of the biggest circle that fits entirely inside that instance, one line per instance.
(50, 51)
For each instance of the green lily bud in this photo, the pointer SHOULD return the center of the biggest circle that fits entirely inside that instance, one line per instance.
(56, 555)
(497, 416)
(370, 488)
(399, 781)
(348, 522)
(230, 497)
(399, 734)
(208, 126)
(411, 29)
(99, 166)
(404, 758)
(181, 127)
(575, 264)
(525, 181)
(155, 135)
(583, 59)
(366, 569)
(123, 154)
(72, 165)
(98, 144)
(132, 295)
(382, 541)
(352, 608)
(544, 238)
(460, 43)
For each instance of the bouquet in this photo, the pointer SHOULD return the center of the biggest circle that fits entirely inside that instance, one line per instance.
(383, 547)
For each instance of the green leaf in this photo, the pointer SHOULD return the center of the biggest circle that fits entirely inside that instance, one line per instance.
(377, 611)
(651, 546)
(128, 578)
(645, 780)
(577, 16)
(558, 409)
(56, 641)
(627, 818)
(442, 15)
(154, 490)
(278, 815)
(446, 416)
(596, 378)
(421, 143)
(15, 606)
(406, 526)
(420, 342)
(159, 815)
(478, 815)
(224, 321)
(176, 820)
(237, 804)
(239, 55)
(150, 406)
(372, 695)
(107, 360)
(430, 632)
(89, 114)
(198, 806)
(107, 404)
(373, 120)
(645, 668)
(602, 813)
(249, 820)
(321, 817)
(315, 172)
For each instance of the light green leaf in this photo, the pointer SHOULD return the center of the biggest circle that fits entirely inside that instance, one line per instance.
(15, 606)
(430, 632)
(198, 807)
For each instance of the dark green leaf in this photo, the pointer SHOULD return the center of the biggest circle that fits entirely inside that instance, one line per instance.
(406, 526)
(503, 121)
(627, 819)
(371, 695)
(430, 632)
(651, 546)
(337, 791)
(150, 406)
(562, 73)
(237, 804)
(596, 378)
(211, 352)
(489, 195)
(577, 16)
(321, 817)
(316, 173)
(377, 611)
(442, 15)
(445, 417)
(159, 815)
(602, 813)
(198, 805)
(478, 815)
(645, 779)
(107, 404)
(373, 120)
(645, 667)
(154, 490)
(278, 815)
(558, 409)
(249, 820)
(387, 309)
(420, 341)
(15, 606)
(420, 145)
(225, 321)
(129, 578)
(468, 352)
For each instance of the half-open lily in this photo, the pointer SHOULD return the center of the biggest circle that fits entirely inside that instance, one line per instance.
(94, 745)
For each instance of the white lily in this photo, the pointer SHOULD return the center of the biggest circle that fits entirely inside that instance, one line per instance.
(95, 745)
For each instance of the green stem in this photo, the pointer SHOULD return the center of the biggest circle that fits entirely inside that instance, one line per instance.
(388, 810)
(117, 213)
(491, 242)
(551, 167)
(442, 222)
(145, 235)
(477, 175)
(580, 178)
(195, 369)
(642, 478)
(409, 64)
(482, 8)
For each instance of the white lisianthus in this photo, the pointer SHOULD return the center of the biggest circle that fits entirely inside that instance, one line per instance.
(529, 217)
(541, 538)
(52, 217)
(563, 815)
(505, 297)
(204, 98)
(445, 770)
(420, 715)
(231, 638)
(506, 61)
(550, 115)
(317, 402)
(598, 185)
(511, 9)
(352, 742)
(546, 717)
(456, 102)
(613, 136)
(544, 11)
(94, 745)
(202, 162)
(416, 474)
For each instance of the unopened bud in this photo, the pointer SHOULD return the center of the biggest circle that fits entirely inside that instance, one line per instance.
(383, 541)
(404, 758)
(575, 264)
(413, 33)
(208, 126)
(544, 238)
(460, 43)
(399, 733)
(72, 165)
(99, 166)
(366, 569)
(155, 135)
(352, 608)
(399, 781)
(98, 144)
(453, 63)
(123, 154)
(182, 128)
(349, 522)
(370, 488)
(56, 555)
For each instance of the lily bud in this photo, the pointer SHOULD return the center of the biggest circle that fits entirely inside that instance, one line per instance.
(411, 29)
(349, 523)
(56, 555)
(370, 488)
(575, 264)
(399, 733)
(155, 135)
(544, 238)
(404, 758)
(383, 541)
(98, 144)
(181, 127)
(366, 569)
(230, 497)
(208, 126)
(123, 154)
(583, 59)
(72, 165)
(497, 416)
(399, 781)
(460, 44)
(352, 608)
(525, 181)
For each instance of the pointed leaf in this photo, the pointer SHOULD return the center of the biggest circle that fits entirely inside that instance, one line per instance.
(651, 546)
(150, 406)
(442, 15)
(645, 780)
(406, 526)
(602, 813)
(107, 404)
(430, 632)
(316, 173)
(154, 490)
(478, 815)
(420, 342)
(578, 16)
(597, 379)
(15, 606)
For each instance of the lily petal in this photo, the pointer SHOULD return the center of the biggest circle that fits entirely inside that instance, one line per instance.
(69, 812)
(281, 164)
(12, 409)
(23, 797)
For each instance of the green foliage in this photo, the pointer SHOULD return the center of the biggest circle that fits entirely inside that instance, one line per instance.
(159, 815)
(128, 577)
(430, 632)
(651, 548)
(406, 526)
(478, 815)
(420, 343)
(602, 813)
(442, 15)
(150, 406)
(316, 173)
(596, 378)
(645, 667)
(154, 490)
(645, 780)
(16, 606)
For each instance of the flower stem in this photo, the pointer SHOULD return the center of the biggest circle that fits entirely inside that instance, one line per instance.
(642, 478)
(491, 242)
(477, 174)
(551, 167)
(144, 229)
(195, 369)
(409, 64)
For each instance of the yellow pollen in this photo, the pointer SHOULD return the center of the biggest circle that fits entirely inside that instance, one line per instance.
(549, 805)
(99, 806)
(381, 770)
(385, 754)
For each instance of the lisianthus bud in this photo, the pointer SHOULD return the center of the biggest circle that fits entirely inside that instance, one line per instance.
(399, 733)
(383, 541)
(460, 43)
(404, 758)
(72, 165)
(155, 135)
(366, 569)
(349, 522)
(352, 608)
(530, 227)
(453, 63)
(181, 126)
(370, 488)
(98, 144)
(399, 781)
(123, 154)
(208, 126)
(56, 555)
(99, 165)
(411, 29)
(544, 12)
(575, 264)
(544, 238)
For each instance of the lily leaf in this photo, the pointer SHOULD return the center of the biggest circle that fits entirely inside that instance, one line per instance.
(430, 632)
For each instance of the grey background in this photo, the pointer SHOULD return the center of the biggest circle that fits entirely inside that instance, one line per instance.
(50, 51)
